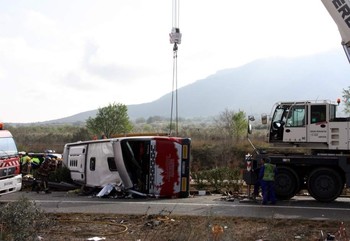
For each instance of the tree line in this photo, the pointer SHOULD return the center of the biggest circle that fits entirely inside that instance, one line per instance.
(216, 142)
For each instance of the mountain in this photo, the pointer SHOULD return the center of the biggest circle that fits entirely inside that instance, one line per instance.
(253, 88)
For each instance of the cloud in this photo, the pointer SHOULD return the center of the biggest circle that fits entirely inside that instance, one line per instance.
(107, 71)
(119, 51)
(74, 81)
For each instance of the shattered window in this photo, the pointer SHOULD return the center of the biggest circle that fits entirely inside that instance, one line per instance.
(111, 164)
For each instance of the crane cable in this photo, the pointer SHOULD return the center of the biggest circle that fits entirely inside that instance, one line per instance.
(174, 92)
(175, 38)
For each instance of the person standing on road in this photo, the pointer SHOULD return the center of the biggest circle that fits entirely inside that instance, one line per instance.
(267, 175)
(43, 175)
(35, 162)
(26, 163)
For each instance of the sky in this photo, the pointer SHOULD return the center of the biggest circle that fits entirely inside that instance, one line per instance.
(62, 57)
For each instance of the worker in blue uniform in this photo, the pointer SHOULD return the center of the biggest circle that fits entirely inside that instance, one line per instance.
(267, 175)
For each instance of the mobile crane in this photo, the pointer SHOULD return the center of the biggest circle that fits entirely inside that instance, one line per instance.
(311, 145)
(311, 149)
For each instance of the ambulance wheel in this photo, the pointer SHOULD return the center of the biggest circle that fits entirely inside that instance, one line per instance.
(287, 183)
(325, 184)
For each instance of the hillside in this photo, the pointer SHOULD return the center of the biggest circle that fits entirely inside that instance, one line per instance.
(253, 88)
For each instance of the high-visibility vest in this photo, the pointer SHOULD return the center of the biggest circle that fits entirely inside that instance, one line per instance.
(269, 172)
(25, 160)
(35, 160)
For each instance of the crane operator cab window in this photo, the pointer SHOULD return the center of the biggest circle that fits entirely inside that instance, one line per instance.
(296, 116)
(318, 113)
(278, 122)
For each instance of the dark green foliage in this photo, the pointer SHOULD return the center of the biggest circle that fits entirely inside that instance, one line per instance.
(210, 149)
(200, 178)
(218, 179)
(110, 121)
(232, 125)
(205, 156)
(22, 220)
(233, 178)
(218, 154)
(61, 174)
(239, 125)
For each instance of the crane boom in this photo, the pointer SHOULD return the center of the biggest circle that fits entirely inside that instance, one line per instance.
(340, 12)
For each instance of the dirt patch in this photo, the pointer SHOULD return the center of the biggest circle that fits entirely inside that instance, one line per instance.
(177, 228)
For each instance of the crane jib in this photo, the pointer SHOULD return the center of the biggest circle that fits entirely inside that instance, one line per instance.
(344, 9)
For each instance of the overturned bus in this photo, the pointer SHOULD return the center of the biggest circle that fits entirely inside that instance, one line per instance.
(151, 165)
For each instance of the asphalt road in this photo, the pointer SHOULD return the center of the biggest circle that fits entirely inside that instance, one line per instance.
(301, 207)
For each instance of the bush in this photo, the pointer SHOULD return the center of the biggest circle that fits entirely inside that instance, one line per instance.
(22, 220)
(200, 179)
(217, 179)
(61, 174)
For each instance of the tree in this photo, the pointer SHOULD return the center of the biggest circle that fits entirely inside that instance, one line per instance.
(110, 121)
(232, 124)
(239, 125)
(346, 96)
(224, 122)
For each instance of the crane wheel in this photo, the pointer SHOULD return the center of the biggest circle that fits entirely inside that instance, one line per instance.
(325, 184)
(287, 183)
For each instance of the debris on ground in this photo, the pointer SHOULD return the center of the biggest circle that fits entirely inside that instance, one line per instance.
(96, 238)
(167, 226)
(339, 235)
(217, 231)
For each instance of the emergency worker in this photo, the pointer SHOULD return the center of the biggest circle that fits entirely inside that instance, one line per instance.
(267, 175)
(43, 175)
(35, 162)
(26, 163)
